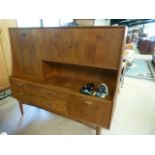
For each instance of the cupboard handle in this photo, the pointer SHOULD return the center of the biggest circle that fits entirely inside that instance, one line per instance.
(21, 85)
(21, 93)
(88, 102)
(70, 43)
(50, 94)
(23, 34)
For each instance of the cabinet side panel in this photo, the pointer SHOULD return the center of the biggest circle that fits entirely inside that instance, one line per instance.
(120, 60)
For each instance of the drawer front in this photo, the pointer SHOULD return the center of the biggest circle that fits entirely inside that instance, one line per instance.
(18, 89)
(90, 110)
(37, 95)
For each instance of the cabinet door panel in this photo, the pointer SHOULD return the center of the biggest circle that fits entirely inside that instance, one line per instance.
(73, 46)
(108, 47)
(91, 111)
(96, 47)
(51, 44)
(77, 46)
(25, 51)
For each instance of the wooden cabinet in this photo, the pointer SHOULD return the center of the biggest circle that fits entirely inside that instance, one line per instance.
(5, 53)
(4, 81)
(57, 62)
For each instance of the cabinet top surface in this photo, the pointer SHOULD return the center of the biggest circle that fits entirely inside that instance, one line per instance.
(74, 27)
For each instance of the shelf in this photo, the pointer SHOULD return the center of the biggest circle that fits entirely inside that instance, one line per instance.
(49, 60)
(73, 86)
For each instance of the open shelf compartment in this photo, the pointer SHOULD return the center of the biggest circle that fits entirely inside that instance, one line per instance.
(72, 78)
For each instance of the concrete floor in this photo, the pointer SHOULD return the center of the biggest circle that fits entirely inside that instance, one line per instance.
(134, 114)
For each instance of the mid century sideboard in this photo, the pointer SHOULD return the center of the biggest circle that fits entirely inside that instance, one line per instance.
(50, 65)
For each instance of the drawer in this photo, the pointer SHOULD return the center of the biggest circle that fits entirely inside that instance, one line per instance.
(18, 88)
(90, 110)
(37, 95)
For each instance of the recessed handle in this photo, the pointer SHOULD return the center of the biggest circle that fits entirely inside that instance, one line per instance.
(23, 34)
(50, 94)
(88, 102)
(70, 43)
(21, 93)
(20, 85)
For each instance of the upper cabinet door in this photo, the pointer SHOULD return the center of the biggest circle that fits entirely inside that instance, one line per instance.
(69, 45)
(109, 42)
(94, 47)
(26, 53)
(78, 46)
(51, 44)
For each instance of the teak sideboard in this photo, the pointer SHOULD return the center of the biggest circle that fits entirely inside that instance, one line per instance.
(50, 65)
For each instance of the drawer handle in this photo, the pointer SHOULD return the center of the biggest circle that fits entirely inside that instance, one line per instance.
(50, 94)
(70, 43)
(23, 34)
(21, 85)
(88, 102)
(21, 93)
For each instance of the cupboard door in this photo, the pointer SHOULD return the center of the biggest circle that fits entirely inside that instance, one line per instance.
(89, 110)
(57, 45)
(94, 47)
(80, 48)
(25, 52)
(108, 47)
(51, 44)
(72, 46)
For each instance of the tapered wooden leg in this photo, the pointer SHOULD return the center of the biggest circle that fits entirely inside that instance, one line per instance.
(98, 130)
(21, 107)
